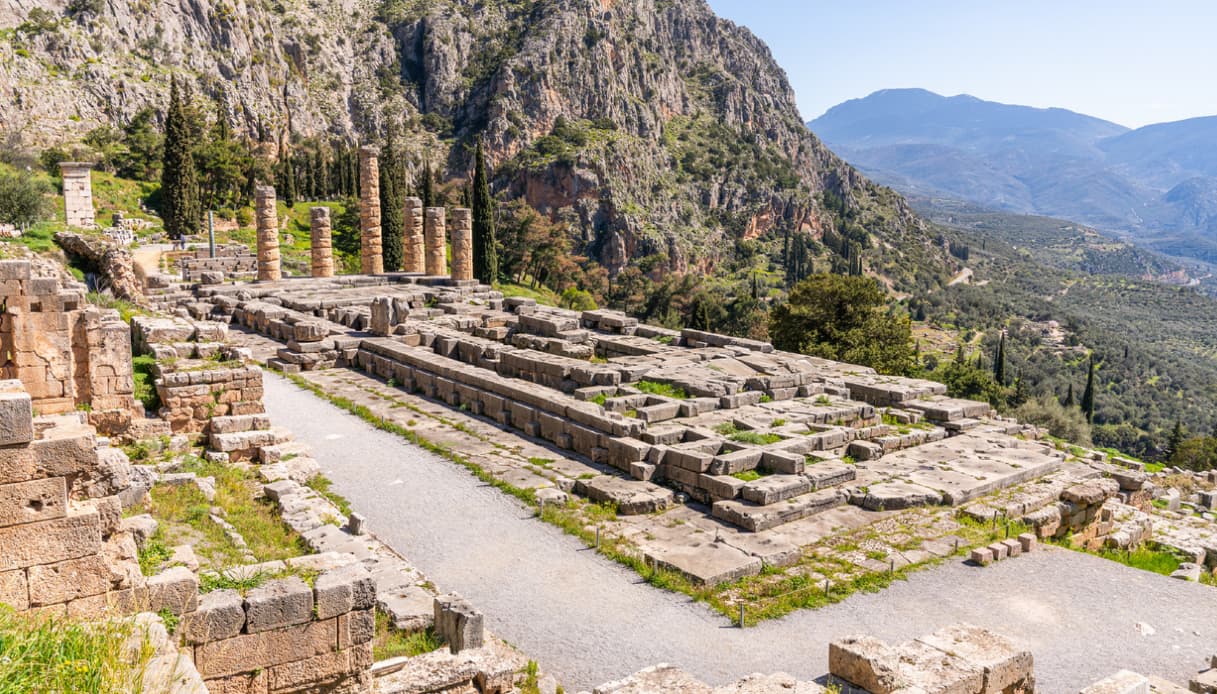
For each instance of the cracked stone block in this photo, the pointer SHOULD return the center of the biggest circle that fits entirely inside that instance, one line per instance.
(16, 414)
(344, 589)
(220, 615)
(458, 623)
(278, 603)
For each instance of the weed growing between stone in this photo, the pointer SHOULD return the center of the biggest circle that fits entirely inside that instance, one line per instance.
(391, 643)
(321, 484)
(47, 653)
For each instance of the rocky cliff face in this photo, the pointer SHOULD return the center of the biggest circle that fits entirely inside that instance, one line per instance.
(651, 126)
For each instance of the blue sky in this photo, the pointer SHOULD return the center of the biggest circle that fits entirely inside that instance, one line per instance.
(1134, 63)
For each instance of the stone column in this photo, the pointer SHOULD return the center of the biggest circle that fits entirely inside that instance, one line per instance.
(268, 234)
(323, 248)
(77, 193)
(413, 247)
(371, 261)
(436, 239)
(462, 244)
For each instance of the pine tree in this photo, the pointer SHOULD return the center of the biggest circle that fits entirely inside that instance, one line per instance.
(485, 251)
(1088, 394)
(392, 197)
(999, 362)
(1177, 437)
(179, 180)
(1069, 401)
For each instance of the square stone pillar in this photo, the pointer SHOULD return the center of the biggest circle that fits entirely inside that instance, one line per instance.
(462, 244)
(78, 193)
(371, 259)
(413, 246)
(267, 220)
(436, 241)
(323, 249)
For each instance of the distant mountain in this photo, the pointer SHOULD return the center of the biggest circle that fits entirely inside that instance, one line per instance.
(1157, 183)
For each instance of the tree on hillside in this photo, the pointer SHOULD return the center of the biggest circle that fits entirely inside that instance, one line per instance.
(424, 185)
(1177, 437)
(392, 198)
(485, 251)
(179, 185)
(1060, 421)
(999, 361)
(223, 167)
(22, 199)
(1198, 453)
(845, 318)
(287, 181)
(1069, 401)
(1088, 394)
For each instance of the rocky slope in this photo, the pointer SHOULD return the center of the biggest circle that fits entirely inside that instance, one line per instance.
(649, 126)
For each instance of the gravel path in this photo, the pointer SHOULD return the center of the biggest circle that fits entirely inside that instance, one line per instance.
(587, 620)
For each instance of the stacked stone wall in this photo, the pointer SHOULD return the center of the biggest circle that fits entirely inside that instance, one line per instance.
(65, 352)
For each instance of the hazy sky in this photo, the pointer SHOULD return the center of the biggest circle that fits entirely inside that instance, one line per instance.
(1132, 62)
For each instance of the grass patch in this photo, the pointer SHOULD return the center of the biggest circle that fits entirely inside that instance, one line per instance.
(600, 399)
(321, 484)
(391, 643)
(666, 390)
(144, 367)
(1156, 560)
(47, 653)
(541, 462)
(153, 554)
(755, 438)
(748, 475)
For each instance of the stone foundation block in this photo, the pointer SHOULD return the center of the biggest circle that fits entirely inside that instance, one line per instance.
(266, 649)
(356, 627)
(220, 615)
(341, 590)
(68, 580)
(279, 603)
(1028, 542)
(29, 502)
(982, 556)
(175, 589)
(70, 537)
(14, 590)
(16, 414)
(458, 623)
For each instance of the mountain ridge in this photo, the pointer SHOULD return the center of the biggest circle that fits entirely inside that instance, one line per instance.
(1153, 183)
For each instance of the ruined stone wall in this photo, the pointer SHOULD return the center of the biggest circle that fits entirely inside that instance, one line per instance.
(65, 352)
(63, 546)
(233, 266)
(199, 376)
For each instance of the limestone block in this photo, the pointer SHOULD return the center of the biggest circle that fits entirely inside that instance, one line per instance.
(322, 243)
(1013, 547)
(267, 225)
(16, 414)
(220, 615)
(462, 244)
(1028, 542)
(982, 556)
(317, 670)
(14, 590)
(458, 623)
(1007, 666)
(175, 589)
(75, 578)
(1123, 682)
(866, 662)
(36, 500)
(343, 589)
(999, 550)
(265, 649)
(310, 331)
(1091, 492)
(76, 535)
(356, 627)
(435, 239)
(141, 527)
(413, 244)
(371, 259)
(278, 603)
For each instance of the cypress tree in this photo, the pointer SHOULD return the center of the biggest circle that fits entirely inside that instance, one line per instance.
(392, 197)
(179, 180)
(485, 253)
(999, 362)
(1177, 437)
(424, 186)
(1069, 402)
(289, 182)
(1088, 394)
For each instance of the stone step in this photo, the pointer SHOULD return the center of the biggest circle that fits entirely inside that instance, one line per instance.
(244, 441)
(631, 497)
(241, 422)
(830, 473)
(775, 488)
(283, 451)
(755, 517)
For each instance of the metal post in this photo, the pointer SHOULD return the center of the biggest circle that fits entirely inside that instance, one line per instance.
(891, 569)
(826, 586)
(597, 537)
(211, 234)
(741, 615)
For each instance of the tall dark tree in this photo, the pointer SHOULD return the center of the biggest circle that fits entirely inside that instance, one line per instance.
(1177, 436)
(999, 361)
(485, 250)
(1088, 394)
(179, 182)
(287, 187)
(1069, 401)
(424, 186)
(392, 197)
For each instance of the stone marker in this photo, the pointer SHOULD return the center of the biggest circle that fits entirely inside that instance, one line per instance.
(77, 193)
(323, 250)
(436, 242)
(413, 257)
(458, 623)
(268, 234)
(371, 261)
(462, 244)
